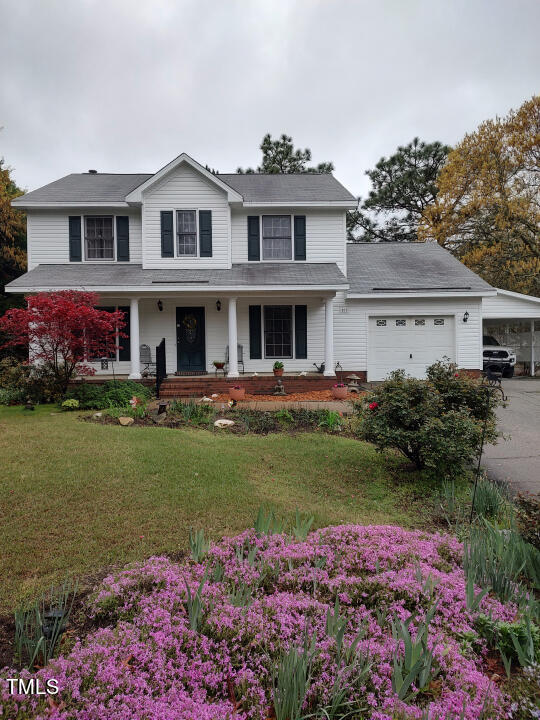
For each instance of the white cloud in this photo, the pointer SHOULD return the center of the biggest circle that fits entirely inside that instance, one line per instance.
(125, 86)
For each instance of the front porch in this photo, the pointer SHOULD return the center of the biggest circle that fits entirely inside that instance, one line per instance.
(248, 332)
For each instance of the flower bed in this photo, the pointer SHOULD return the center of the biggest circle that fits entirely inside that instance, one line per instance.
(160, 654)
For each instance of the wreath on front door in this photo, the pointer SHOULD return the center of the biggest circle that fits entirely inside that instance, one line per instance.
(190, 328)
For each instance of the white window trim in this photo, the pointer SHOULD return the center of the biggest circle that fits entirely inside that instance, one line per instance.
(291, 215)
(175, 228)
(293, 331)
(83, 230)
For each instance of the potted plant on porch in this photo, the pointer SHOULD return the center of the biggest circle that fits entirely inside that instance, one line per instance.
(237, 392)
(339, 391)
(278, 368)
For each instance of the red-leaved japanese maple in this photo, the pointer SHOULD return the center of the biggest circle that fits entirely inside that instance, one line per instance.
(63, 331)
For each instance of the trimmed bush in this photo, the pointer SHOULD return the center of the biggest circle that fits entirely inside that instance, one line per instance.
(113, 393)
(435, 423)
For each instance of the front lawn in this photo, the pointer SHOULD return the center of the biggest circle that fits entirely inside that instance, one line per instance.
(77, 497)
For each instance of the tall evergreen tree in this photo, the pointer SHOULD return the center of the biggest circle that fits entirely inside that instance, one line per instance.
(404, 185)
(279, 156)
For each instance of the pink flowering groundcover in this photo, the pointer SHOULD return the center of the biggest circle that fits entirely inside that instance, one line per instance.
(259, 597)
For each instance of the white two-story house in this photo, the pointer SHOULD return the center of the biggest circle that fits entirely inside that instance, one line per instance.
(249, 267)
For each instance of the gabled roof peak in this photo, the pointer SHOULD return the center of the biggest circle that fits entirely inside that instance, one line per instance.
(136, 195)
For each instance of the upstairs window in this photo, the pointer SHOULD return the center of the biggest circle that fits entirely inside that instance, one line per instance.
(186, 233)
(276, 237)
(99, 237)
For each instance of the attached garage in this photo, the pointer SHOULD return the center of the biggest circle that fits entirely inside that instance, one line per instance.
(408, 342)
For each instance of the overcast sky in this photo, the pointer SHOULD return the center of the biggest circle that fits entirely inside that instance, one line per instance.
(127, 85)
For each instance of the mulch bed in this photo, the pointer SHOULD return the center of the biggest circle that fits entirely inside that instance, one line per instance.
(313, 396)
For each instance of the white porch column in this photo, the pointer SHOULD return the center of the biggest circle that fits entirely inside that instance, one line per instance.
(532, 348)
(329, 337)
(233, 340)
(135, 373)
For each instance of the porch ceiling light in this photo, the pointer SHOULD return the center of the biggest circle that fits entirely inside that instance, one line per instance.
(218, 305)
(466, 316)
(160, 305)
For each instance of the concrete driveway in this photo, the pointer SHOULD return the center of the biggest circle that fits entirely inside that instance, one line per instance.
(517, 460)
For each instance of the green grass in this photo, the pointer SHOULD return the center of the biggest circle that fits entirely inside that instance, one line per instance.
(76, 497)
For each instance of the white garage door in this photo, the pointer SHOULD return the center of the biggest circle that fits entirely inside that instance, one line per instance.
(410, 343)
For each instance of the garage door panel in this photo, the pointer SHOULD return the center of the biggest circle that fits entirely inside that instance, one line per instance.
(411, 343)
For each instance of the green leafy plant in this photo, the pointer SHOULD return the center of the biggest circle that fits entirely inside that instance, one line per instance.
(218, 572)
(516, 641)
(285, 417)
(278, 365)
(267, 523)
(416, 666)
(302, 525)
(194, 604)
(198, 546)
(111, 394)
(38, 629)
(500, 559)
(490, 499)
(292, 680)
(331, 420)
(473, 599)
(71, 404)
(241, 595)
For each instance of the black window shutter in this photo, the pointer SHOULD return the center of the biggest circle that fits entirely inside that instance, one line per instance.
(75, 249)
(255, 345)
(122, 238)
(205, 233)
(167, 240)
(125, 350)
(254, 244)
(299, 237)
(300, 331)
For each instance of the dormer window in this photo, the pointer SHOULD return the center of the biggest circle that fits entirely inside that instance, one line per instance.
(276, 237)
(186, 233)
(99, 237)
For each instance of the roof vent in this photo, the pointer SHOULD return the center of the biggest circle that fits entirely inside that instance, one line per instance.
(92, 172)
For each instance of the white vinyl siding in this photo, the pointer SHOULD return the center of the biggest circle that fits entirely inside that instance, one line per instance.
(48, 235)
(325, 233)
(351, 323)
(507, 306)
(186, 189)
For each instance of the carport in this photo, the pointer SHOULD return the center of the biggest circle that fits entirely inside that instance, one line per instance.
(513, 320)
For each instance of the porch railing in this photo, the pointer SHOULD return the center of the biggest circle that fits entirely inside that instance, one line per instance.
(161, 365)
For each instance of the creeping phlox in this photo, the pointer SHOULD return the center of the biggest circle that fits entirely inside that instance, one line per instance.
(209, 639)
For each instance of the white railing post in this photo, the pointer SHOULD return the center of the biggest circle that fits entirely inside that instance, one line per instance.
(233, 340)
(135, 373)
(329, 337)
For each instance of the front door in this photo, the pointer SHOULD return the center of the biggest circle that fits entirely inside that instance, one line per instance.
(190, 339)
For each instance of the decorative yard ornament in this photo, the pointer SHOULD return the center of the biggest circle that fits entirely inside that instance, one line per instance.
(278, 388)
(353, 384)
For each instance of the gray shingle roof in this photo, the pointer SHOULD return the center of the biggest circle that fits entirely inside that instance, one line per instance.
(376, 268)
(302, 187)
(86, 187)
(107, 187)
(243, 275)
